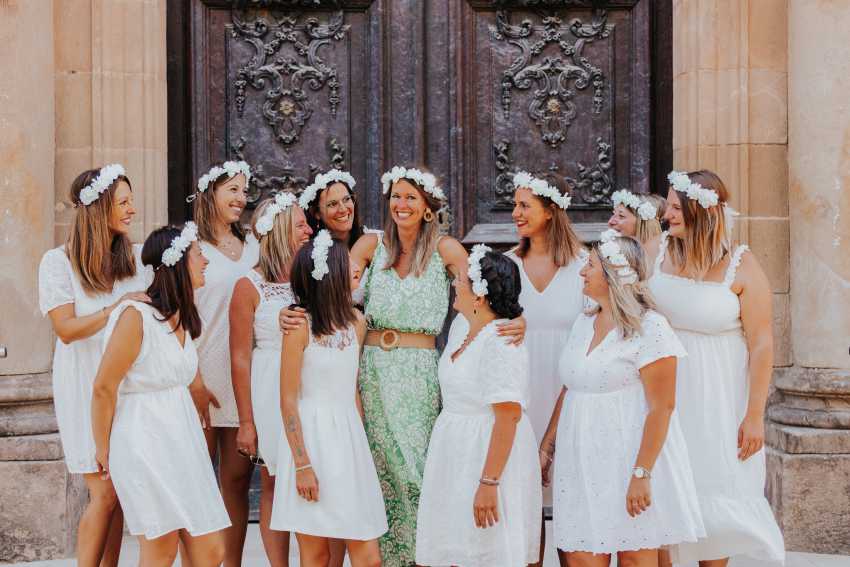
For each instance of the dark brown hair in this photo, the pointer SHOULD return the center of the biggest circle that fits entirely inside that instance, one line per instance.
(171, 290)
(564, 243)
(99, 257)
(314, 215)
(327, 301)
(205, 213)
(503, 284)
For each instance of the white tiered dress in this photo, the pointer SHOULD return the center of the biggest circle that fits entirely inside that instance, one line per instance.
(350, 505)
(599, 436)
(213, 303)
(265, 365)
(75, 365)
(158, 457)
(712, 390)
(489, 371)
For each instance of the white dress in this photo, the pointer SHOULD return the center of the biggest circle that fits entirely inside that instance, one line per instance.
(350, 505)
(599, 436)
(75, 365)
(489, 371)
(213, 303)
(265, 365)
(158, 457)
(712, 390)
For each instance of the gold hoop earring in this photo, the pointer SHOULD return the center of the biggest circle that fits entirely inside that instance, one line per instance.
(428, 216)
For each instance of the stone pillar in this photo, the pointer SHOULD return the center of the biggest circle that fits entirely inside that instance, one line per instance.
(810, 429)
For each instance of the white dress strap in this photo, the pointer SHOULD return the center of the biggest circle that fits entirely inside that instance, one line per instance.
(257, 281)
(662, 250)
(733, 264)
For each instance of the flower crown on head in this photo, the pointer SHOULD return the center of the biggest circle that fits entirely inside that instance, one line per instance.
(610, 250)
(231, 168)
(322, 181)
(479, 284)
(321, 244)
(542, 189)
(427, 181)
(282, 201)
(681, 182)
(644, 209)
(179, 245)
(106, 177)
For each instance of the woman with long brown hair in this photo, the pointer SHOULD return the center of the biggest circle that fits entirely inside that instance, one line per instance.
(718, 300)
(80, 284)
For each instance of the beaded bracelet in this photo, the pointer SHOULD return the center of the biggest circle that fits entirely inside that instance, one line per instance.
(303, 468)
(489, 481)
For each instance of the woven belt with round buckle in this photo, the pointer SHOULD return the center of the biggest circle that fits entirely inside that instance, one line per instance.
(389, 339)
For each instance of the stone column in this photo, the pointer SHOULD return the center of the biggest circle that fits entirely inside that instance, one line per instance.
(810, 430)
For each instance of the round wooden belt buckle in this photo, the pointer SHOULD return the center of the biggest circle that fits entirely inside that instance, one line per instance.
(389, 339)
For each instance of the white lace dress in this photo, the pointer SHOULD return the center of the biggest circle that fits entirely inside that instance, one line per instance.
(489, 371)
(712, 391)
(350, 505)
(75, 365)
(158, 457)
(265, 365)
(213, 302)
(599, 436)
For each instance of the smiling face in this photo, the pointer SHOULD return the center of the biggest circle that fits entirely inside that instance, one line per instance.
(123, 211)
(407, 205)
(674, 216)
(623, 221)
(197, 264)
(595, 284)
(530, 215)
(336, 210)
(231, 196)
(301, 231)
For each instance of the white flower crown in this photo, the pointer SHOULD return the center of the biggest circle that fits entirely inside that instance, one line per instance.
(106, 177)
(323, 180)
(681, 182)
(613, 254)
(541, 189)
(609, 234)
(479, 284)
(644, 209)
(282, 201)
(231, 168)
(321, 244)
(427, 181)
(179, 244)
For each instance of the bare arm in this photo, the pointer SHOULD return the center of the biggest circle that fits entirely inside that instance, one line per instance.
(485, 505)
(69, 328)
(547, 444)
(364, 250)
(121, 351)
(454, 256)
(242, 307)
(361, 337)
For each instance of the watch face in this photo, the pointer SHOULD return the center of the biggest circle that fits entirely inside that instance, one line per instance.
(640, 472)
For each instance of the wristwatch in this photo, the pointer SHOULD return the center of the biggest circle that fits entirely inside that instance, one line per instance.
(640, 472)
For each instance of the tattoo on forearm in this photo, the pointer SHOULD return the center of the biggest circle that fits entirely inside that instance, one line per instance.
(291, 424)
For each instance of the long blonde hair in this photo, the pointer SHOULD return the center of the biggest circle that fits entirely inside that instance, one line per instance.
(563, 242)
(279, 245)
(426, 240)
(98, 257)
(646, 230)
(205, 213)
(629, 301)
(706, 239)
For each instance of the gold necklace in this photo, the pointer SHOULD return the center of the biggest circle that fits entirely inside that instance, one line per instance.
(228, 249)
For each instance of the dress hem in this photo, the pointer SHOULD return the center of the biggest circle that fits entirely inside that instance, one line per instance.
(315, 533)
(193, 532)
(629, 547)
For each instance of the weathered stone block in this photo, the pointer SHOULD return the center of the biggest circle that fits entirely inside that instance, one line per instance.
(770, 242)
(768, 180)
(768, 34)
(768, 106)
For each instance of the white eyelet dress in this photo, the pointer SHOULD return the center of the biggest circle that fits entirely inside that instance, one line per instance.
(265, 365)
(599, 436)
(712, 389)
(213, 303)
(75, 365)
(350, 505)
(158, 457)
(487, 372)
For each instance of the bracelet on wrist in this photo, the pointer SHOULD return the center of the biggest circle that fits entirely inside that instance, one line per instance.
(489, 481)
(303, 467)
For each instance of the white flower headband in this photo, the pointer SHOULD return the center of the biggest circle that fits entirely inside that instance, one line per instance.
(613, 254)
(644, 209)
(106, 177)
(179, 244)
(282, 201)
(321, 244)
(608, 235)
(541, 189)
(479, 284)
(323, 180)
(681, 182)
(427, 181)
(231, 168)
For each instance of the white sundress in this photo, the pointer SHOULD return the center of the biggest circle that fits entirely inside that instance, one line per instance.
(350, 505)
(158, 458)
(712, 390)
(599, 436)
(265, 365)
(75, 365)
(213, 303)
(489, 371)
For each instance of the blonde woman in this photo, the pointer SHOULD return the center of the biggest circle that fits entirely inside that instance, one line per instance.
(281, 228)
(635, 215)
(718, 300)
(80, 284)
(218, 203)
(622, 480)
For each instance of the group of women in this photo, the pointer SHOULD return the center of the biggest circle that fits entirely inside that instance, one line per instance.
(624, 385)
